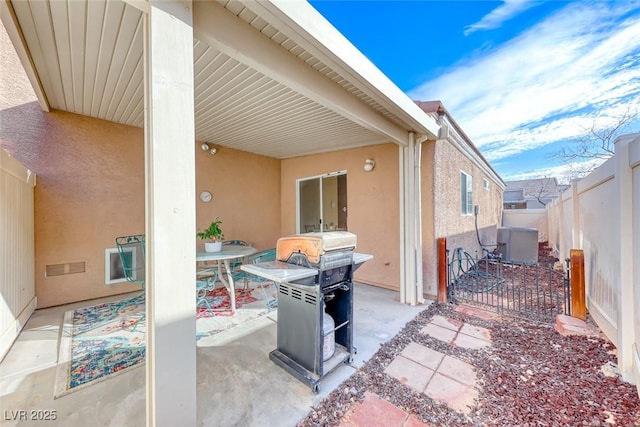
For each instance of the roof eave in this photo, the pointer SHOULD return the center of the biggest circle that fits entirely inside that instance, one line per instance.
(314, 31)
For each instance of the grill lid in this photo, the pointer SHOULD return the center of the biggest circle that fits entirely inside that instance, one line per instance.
(314, 245)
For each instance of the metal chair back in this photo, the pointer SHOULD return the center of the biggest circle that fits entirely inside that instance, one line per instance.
(131, 250)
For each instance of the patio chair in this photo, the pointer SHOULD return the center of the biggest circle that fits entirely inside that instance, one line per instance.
(237, 263)
(262, 256)
(131, 250)
(205, 283)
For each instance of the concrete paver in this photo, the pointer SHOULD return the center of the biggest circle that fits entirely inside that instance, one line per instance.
(409, 373)
(457, 396)
(476, 332)
(423, 355)
(377, 412)
(438, 332)
(567, 325)
(453, 324)
(439, 376)
(466, 341)
(458, 370)
(477, 312)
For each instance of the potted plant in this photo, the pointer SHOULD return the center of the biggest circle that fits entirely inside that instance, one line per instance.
(212, 236)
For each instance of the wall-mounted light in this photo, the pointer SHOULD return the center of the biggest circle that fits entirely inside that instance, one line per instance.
(369, 164)
(205, 147)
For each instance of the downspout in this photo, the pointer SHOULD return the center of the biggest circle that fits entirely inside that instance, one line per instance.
(418, 220)
(411, 221)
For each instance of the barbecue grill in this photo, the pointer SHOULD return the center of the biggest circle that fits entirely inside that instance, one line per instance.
(320, 267)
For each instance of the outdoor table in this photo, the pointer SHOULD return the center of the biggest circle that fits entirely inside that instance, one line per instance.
(225, 256)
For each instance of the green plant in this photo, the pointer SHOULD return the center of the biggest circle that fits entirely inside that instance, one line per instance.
(213, 232)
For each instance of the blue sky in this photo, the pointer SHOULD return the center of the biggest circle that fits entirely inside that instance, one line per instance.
(522, 78)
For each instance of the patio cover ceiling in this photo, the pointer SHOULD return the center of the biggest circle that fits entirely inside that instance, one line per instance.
(271, 77)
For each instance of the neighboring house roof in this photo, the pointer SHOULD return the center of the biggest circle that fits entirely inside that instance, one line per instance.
(271, 77)
(437, 110)
(545, 189)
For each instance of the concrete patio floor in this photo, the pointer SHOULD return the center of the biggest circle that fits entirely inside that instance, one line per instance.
(238, 385)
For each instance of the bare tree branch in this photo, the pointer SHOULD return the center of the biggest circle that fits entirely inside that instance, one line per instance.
(596, 144)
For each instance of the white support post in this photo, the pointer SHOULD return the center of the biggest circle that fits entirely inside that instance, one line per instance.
(170, 213)
(408, 222)
(402, 155)
(625, 321)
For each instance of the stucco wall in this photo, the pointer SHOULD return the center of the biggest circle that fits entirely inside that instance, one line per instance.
(429, 238)
(449, 222)
(91, 189)
(246, 195)
(372, 199)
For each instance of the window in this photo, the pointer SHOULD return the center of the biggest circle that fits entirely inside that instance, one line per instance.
(466, 193)
(485, 183)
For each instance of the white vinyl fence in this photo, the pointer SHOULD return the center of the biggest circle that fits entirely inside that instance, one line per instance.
(17, 280)
(528, 218)
(600, 214)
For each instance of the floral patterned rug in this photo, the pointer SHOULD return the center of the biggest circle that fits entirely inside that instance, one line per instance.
(107, 339)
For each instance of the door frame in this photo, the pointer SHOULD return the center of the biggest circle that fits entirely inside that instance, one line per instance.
(307, 178)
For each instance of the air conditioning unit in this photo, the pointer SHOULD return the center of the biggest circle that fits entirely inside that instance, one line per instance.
(518, 245)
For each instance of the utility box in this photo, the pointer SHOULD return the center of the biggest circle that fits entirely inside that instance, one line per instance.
(518, 245)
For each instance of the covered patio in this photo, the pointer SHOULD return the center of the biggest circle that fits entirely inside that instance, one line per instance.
(271, 84)
(237, 384)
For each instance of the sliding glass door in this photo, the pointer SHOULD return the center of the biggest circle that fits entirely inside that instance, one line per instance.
(322, 203)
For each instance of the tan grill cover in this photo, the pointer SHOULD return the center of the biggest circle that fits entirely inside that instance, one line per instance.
(314, 245)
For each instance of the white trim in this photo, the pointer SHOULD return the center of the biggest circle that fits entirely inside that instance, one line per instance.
(312, 31)
(308, 178)
(218, 28)
(109, 263)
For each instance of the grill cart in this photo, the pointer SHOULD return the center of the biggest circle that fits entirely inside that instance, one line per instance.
(314, 273)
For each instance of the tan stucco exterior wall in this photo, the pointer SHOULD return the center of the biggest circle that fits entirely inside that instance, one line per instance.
(429, 250)
(372, 197)
(460, 229)
(246, 195)
(90, 189)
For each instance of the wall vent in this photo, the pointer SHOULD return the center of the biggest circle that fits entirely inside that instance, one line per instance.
(62, 269)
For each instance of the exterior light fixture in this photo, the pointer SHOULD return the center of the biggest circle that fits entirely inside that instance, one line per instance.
(207, 147)
(369, 164)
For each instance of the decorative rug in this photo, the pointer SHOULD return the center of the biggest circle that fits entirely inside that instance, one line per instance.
(104, 340)
(250, 304)
(100, 341)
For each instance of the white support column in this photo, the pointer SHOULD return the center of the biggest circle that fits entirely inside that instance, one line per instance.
(170, 214)
(408, 294)
(402, 155)
(418, 218)
(625, 321)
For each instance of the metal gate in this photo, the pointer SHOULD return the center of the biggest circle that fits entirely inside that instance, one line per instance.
(533, 290)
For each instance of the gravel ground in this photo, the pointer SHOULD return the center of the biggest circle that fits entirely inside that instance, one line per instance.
(530, 376)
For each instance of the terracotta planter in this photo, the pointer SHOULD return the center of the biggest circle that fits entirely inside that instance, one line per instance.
(212, 247)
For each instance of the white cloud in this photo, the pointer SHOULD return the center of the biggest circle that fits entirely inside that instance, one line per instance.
(564, 173)
(497, 16)
(549, 83)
